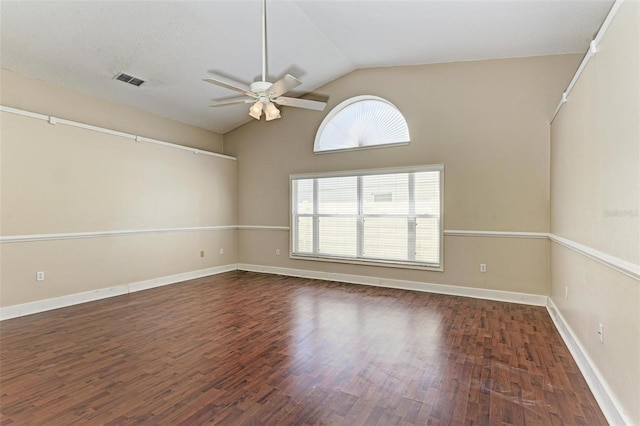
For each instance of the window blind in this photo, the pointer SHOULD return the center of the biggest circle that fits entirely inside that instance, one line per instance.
(385, 215)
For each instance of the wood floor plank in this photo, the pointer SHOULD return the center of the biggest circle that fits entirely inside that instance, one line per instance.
(247, 348)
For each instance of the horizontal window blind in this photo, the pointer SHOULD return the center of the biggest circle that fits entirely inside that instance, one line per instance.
(385, 215)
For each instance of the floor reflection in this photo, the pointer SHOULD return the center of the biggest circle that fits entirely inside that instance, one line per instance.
(362, 340)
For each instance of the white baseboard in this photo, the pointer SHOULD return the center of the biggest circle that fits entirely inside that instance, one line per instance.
(29, 308)
(608, 403)
(478, 293)
(172, 279)
(15, 311)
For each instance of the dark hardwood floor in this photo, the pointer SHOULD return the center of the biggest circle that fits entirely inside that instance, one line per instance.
(247, 348)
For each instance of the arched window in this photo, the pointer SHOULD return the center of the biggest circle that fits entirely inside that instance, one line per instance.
(361, 122)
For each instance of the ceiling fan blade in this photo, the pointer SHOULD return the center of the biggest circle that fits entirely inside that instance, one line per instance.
(233, 102)
(283, 85)
(230, 86)
(300, 103)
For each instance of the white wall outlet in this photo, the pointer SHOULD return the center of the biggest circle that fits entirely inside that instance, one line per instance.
(483, 267)
(601, 332)
(566, 292)
(221, 251)
(40, 276)
(277, 252)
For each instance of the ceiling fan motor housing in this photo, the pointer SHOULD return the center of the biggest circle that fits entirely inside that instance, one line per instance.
(260, 88)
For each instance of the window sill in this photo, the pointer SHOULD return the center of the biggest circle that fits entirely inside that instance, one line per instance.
(372, 262)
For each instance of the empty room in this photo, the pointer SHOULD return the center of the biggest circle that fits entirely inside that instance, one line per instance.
(359, 212)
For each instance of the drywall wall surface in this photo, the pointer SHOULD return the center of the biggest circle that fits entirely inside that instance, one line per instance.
(94, 210)
(595, 189)
(74, 266)
(600, 295)
(486, 121)
(59, 178)
(23, 92)
(528, 259)
(596, 150)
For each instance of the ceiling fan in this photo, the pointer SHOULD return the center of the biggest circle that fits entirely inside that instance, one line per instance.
(263, 94)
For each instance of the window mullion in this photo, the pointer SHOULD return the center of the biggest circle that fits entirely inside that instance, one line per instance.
(316, 219)
(360, 219)
(411, 220)
(295, 218)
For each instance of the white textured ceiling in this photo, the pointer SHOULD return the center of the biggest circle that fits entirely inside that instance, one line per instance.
(173, 45)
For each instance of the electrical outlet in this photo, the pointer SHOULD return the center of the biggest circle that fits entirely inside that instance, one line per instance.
(202, 253)
(221, 251)
(277, 252)
(483, 267)
(40, 276)
(566, 292)
(601, 332)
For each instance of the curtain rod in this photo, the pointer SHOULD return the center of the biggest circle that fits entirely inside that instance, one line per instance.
(55, 120)
(593, 49)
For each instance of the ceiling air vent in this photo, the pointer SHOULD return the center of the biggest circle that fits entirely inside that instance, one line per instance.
(129, 79)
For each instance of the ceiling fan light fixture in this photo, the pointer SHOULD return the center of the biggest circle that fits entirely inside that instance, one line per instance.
(265, 92)
(271, 112)
(255, 110)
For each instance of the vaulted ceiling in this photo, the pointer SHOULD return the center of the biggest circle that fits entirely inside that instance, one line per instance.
(173, 45)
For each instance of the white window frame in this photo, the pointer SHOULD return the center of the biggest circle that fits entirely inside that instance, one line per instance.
(293, 215)
(398, 130)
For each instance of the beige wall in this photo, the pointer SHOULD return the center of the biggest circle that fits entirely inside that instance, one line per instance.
(487, 121)
(595, 187)
(19, 91)
(62, 179)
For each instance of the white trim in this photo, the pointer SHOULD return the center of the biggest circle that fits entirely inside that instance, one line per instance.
(28, 114)
(360, 148)
(447, 232)
(366, 172)
(605, 25)
(501, 234)
(29, 308)
(262, 228)
(593, 48)
(368, 262)
(15, 311)
(56, 120)
(478, 293)
(620, 265)
(607, 401)
(183, 276)
(628, 268)
(99, 234)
